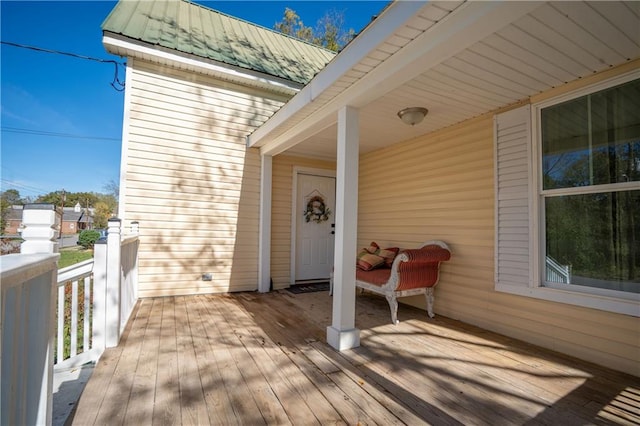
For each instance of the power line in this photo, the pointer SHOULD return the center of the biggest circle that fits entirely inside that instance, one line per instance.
(54, 134)
(116, 79)
(22, 187)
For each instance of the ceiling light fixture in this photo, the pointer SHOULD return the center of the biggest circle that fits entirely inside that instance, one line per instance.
(412, 115)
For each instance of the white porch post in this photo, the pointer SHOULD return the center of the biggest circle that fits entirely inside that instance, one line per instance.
(342, 333)
(264, 262)
(114, 274)
(99, 324)
(27, 319)
(40, 222)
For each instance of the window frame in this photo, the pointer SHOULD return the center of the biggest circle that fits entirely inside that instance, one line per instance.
(604, 299)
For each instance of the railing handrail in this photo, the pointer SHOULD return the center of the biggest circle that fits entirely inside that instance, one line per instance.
(75, 271)
(128, 239)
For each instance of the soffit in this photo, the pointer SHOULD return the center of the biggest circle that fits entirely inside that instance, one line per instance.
(552, 44)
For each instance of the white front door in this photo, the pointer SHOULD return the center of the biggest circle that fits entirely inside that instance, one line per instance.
(315, 225)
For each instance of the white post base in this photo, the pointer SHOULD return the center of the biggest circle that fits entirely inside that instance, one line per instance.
(343, 339)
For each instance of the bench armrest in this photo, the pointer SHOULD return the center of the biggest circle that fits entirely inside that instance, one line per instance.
(417, 268)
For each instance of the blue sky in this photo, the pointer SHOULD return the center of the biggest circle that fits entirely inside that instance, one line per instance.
(61, 119)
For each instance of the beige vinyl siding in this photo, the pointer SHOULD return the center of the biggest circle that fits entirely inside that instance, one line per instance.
(282, 193)
(190, 180)
(441, 186)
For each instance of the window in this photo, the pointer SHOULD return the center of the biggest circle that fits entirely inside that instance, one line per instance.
(589, 189)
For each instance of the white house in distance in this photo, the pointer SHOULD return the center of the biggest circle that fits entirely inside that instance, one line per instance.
(527, 163)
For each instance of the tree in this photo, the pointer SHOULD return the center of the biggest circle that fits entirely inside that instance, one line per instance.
(8, 198)
(113, 193)
(101, 214)
(113, 188)
(55, 198)
(4, 211)
(328, 33)
(12, 196)
(292, 25)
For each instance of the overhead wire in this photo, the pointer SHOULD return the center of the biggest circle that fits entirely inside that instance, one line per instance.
(116, 83)
(54, 134)
(6, 183)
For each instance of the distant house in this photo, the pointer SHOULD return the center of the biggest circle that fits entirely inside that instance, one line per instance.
(74, 220)
(230, 129)
(13, 221)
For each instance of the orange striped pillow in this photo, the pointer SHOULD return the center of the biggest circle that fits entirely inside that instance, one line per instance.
(368, 261)
(388, 254)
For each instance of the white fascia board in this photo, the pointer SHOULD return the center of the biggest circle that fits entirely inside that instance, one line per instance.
(295, 135)
(375, 34)
(115, 44)
(471, 22)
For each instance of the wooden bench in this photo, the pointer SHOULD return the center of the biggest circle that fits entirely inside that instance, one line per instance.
(413, 272)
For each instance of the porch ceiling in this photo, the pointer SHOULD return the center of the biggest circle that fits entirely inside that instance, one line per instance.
(459, 60)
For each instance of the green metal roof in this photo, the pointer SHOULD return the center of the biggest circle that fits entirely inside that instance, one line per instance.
(194, 29)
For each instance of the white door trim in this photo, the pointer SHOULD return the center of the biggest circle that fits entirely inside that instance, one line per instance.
(298, 170)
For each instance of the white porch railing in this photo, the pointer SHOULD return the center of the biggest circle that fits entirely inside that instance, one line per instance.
(557, 273)
(95, 300)
(74, 316)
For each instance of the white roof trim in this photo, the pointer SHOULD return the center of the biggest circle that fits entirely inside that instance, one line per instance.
(378, 31)
(124, 47)
(470, 22)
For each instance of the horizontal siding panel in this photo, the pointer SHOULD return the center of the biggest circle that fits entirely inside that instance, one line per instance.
(180, 131)
(235, 153)
(168, 136)
(208, 98)
(183, 160)
(229, 172)
(212, 175)
(191, 182)
(207, 192)
(219, 254)
(230, 119)
(188, 82)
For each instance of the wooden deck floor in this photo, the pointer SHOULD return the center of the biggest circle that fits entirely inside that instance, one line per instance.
(262, 359)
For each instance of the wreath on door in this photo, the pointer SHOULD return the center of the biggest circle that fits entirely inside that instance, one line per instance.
(316, 210)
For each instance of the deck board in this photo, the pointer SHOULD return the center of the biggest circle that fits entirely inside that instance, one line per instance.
(141, 399)
(251, 358)
(167, 384)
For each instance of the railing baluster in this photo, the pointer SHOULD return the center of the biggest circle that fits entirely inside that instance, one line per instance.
(60, 344)
(87, 314)
(74, 318)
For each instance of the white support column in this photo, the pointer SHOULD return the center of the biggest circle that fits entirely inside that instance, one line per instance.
(112, 301)
(264, 268)
(342, 334)
(30, 284)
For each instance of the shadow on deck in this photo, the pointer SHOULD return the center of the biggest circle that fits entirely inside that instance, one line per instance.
(251, 358)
